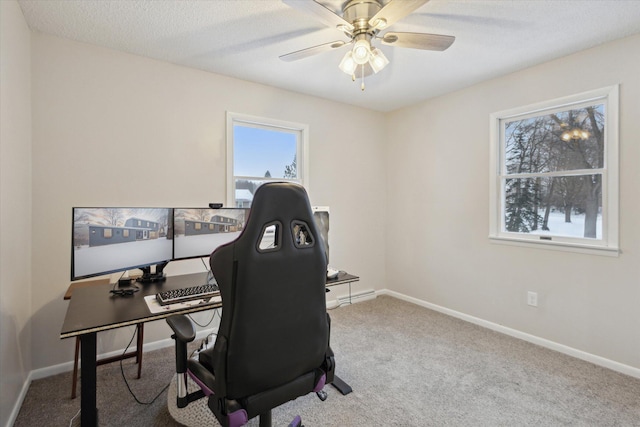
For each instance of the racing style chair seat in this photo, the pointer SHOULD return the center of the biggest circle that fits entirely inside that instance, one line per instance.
(272, 345)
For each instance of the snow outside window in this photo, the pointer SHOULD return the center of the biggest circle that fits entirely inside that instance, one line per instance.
(554, 174)
(260, 150)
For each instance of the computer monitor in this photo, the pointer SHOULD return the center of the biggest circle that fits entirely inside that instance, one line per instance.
(108, 240)
(199, 231)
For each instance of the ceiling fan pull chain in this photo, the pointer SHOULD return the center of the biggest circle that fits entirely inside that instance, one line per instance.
(362, 85)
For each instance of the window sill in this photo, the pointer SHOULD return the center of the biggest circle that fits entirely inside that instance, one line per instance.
(557, 246)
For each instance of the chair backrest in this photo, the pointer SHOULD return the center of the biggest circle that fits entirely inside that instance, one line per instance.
(273, 298)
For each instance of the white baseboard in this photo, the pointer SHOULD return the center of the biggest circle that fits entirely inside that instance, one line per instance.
(339, 301)
(561, 348)
(16, 408)
(360, 296)
(48, 371)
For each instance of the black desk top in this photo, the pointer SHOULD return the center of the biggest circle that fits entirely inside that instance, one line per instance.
(94, 308)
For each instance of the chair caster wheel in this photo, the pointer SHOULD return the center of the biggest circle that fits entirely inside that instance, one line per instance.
(297, 422)
(322, 395)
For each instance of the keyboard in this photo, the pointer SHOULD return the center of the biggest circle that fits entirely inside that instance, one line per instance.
(187, 294)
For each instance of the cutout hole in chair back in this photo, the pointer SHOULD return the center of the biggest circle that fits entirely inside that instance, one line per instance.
(302, 236)
(270, 237)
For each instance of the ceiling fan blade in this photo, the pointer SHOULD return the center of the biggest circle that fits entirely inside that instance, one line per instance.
(320, 12)
(310, 51)
(418, 40)
(394, 11)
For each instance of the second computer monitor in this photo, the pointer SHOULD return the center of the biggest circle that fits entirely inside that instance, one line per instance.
(199, 231)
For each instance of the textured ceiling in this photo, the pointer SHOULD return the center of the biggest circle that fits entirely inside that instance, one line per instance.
(243, 39)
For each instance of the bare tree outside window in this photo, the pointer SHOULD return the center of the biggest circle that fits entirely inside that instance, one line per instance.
(555, 173)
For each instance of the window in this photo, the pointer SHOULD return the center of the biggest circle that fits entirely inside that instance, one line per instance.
(107, 233)
(554, 179)
(260, 150)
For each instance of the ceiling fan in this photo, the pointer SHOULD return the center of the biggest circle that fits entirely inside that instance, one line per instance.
(362, 21)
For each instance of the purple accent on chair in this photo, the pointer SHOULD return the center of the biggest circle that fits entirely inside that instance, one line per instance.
(297, 421)
(207, 391)
(238, 418)
(320, 384)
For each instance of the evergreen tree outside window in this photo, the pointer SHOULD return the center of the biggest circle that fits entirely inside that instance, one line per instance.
(554, 177)
(260, 150)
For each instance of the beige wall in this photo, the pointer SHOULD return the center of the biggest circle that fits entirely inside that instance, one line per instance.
(91, 126)
(438, 178)
(116, 129)
(15, 206)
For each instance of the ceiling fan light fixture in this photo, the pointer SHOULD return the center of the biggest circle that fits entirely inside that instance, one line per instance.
(377, 60)
(348, 65)
(361, 51)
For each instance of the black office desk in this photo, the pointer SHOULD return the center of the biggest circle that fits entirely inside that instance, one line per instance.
(94, 309)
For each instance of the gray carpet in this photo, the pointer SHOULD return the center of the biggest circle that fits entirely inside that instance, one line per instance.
(408, 366)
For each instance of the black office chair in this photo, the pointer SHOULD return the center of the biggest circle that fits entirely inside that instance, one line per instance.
(273, 342)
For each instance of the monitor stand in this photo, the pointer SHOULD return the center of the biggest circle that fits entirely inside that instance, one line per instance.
(149, 277)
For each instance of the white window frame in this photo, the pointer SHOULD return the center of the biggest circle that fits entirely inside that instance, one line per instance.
(608, 245)
(302, 149)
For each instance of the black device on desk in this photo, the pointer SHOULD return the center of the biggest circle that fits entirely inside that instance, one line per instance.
(123, 292)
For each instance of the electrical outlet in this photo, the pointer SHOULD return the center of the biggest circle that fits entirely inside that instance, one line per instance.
(532, 299)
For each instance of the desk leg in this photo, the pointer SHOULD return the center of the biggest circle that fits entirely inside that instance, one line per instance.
(139, 344)
(342, 387)
(88, 409)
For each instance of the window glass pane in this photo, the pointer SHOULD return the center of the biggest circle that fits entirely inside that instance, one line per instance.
(245, 188)
(562, 141)
(569, 206)
(261, 152)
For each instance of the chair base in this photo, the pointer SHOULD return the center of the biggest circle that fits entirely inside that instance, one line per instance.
(341, 386)
(196, 414)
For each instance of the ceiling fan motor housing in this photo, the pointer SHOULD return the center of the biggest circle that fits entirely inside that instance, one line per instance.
(358, 13)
